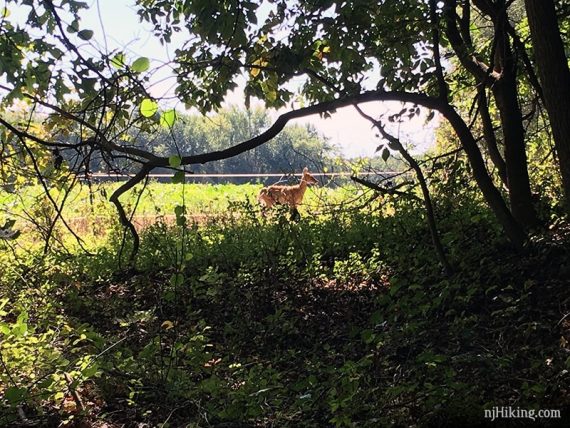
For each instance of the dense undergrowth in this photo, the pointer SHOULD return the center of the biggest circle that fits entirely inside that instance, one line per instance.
(342, 320)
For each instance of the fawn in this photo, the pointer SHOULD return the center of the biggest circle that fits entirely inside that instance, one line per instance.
(287, 195)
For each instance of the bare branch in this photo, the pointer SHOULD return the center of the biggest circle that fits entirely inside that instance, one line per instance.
(395, 143)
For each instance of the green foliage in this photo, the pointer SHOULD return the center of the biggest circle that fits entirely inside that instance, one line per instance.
(168, 118)
(336, 41)
(148, 107)
(141, 64)
(341, 319)
(44, 354)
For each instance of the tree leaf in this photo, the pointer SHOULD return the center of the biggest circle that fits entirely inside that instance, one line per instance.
(85, 34)
(167, 325)
(385, 154)
(90, 370)
(118, 61)
(178, 177)
(141, 64)
(148, 107)
(15, 395)
(174, 161)
(271, 96)
(260, 62)
(180, 213)
(73, 27)
(168, 118)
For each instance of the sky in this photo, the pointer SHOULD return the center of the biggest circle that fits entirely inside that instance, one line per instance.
(117, 27)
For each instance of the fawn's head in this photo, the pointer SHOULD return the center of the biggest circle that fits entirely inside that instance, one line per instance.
(308, 178)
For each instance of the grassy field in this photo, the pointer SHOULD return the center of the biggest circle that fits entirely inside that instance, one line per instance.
(160, 199)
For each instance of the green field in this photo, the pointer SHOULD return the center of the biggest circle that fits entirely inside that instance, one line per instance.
(88, 209)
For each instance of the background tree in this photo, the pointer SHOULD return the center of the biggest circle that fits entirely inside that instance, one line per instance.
(552, 66)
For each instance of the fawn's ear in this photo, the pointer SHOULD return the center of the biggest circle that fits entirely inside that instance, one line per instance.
(305, 170)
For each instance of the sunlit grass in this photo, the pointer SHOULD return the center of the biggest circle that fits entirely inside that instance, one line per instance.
(89, 213)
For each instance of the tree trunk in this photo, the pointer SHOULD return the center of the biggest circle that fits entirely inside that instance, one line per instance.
(500, 75)
(554, 77)
(490, 137)
(506, 97)
(515, 154)
(491, 194)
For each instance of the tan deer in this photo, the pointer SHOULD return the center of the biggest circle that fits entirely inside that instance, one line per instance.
(287, 195)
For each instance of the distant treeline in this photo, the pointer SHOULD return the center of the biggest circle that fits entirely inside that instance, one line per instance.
(290, 151)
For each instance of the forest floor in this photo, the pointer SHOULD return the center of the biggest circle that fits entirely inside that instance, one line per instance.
(340, 320)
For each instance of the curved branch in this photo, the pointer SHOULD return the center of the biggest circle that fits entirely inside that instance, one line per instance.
(24, 134)
(324, 107)
(125, 221)
(490, 192)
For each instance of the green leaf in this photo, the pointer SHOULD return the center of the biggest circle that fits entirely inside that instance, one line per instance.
(178, 177)
(15, 395)
(90, 371)
(85, 34)
(385, 154)
(73, 27)
(148, 107)
(177, 279)
(367, 336)
(141, 64)
(394, 289)
(4, 329)
(5, 13)
(118, 61)
(376, 317)
(168, 118)
(169, 296)
(271, 95)
(174, 161)
(180, 211)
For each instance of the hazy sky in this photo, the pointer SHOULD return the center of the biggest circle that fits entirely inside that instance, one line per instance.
(116, 22)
